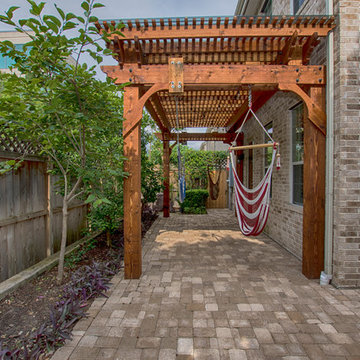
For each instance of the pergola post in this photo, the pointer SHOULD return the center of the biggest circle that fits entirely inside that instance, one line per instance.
(132, 184)
(166, 167)
(314, 178)
(314, 192)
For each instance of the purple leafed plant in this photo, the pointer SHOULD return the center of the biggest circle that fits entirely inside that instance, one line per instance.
(87, 282)
(90, 281)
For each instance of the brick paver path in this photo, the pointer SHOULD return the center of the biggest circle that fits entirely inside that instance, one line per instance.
(207, 292)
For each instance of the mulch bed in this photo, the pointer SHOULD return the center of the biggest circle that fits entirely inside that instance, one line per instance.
(27, 308)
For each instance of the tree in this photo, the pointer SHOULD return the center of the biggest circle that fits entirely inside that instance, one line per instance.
(61, 107)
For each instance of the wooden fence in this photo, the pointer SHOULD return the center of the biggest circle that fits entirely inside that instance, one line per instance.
(31, 216)
(222, 199)
(220, 203)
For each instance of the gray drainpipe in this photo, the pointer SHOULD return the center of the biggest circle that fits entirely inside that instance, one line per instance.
(328, 256)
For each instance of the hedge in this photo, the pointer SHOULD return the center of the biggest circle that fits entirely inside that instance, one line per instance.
(195, 201)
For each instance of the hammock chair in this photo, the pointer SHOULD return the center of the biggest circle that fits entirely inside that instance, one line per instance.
(214, 186)
(181, 166)
(252, 205)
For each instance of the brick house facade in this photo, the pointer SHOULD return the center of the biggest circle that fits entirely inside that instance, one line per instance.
(343, 197)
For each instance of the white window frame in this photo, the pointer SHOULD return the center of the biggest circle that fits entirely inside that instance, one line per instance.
(292, 163)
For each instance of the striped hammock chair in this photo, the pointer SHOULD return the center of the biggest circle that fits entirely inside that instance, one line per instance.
(252, 205)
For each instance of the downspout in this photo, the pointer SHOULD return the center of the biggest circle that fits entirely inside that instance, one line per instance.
(329, 186)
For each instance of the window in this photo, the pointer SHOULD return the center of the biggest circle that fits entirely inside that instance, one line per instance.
(269, 150)
(266, 8)
(297, 156)
(297, 5)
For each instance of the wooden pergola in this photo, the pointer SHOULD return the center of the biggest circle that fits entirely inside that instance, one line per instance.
(206, 65)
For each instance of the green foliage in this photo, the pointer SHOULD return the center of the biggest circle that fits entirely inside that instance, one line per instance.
(78, 255)
(195, 210)
(60, 106)
(151, 171)
(8, 165)
(197, 163)
(195, 201)
(156, 151)
(107, 216)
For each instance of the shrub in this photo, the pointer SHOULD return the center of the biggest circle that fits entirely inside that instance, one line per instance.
(195, 201)
(197, 210)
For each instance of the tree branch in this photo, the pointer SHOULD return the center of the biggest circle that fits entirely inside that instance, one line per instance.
(76, 195)
(77, 184)
(71, 138)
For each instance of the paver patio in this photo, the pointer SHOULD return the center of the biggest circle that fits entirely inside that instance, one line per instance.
(207, 292)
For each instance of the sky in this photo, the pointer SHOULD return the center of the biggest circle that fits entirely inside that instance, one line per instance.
(115, 9)
(120, 9)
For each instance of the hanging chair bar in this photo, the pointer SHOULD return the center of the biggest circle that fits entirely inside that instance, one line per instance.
(254, 146)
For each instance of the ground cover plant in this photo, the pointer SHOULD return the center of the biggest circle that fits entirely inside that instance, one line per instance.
(67, 303)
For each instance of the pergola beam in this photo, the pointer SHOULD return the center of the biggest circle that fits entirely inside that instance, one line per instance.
(157, 103)
(308, 47)
(288, 49)
(215, 75)
(225, 137)
(154, 115)
(220, 32)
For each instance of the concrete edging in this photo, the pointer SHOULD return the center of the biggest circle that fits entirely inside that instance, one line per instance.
(9, 285)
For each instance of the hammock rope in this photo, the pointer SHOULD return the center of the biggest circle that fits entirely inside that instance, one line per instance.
(181, 169)
(252, 205)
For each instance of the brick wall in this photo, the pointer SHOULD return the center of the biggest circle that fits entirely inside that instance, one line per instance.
(347, 145)
(285, 219)
(285, 222)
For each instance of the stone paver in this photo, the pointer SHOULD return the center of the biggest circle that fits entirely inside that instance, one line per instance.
(207, 292)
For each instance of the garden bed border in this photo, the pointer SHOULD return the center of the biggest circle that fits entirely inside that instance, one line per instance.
(9, 285)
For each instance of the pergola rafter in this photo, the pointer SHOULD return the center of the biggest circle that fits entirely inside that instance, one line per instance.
(204, 65)
(213, 136)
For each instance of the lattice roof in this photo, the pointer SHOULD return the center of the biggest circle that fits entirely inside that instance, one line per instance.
(201, 108)
(259, 40)
(220, 39)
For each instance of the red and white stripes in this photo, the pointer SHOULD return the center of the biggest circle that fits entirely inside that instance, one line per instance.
(252, 205)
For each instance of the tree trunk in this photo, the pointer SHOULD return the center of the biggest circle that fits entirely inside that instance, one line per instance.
(63, 240)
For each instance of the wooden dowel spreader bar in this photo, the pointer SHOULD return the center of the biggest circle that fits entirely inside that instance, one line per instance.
(254, 146)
